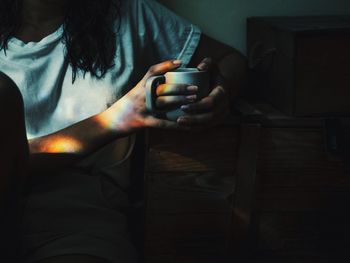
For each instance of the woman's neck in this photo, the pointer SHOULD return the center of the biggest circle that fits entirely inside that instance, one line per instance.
(40, 18)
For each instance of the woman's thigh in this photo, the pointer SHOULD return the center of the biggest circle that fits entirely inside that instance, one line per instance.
(74, 259)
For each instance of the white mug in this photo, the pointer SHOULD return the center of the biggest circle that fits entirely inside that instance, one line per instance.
(188, 76)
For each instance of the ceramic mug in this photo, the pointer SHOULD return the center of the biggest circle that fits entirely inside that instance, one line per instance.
(188, 76)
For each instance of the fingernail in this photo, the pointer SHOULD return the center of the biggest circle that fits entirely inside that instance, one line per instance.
(192, 88)
(191, 97)
(177, 62)
(182, 120)
(185, 107)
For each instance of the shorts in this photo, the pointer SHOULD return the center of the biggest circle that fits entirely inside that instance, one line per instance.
(78, 212)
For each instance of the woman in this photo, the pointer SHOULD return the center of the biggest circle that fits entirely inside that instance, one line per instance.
(71, 96)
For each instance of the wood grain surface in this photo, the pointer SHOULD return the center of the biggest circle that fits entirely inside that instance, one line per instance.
(190, 186)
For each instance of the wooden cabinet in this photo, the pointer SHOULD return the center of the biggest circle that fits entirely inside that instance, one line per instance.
(301, 64)
(296, 199)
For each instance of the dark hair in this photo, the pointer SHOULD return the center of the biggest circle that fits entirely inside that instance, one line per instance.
(88, 32)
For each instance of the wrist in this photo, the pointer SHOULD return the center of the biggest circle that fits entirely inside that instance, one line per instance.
(119, 119)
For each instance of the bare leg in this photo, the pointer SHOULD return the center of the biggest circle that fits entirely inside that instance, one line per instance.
(13, 158)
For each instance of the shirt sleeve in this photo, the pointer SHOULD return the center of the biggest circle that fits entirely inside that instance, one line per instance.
(159, 34)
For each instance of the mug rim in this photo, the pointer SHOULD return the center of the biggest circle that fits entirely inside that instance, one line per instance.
(187, 70)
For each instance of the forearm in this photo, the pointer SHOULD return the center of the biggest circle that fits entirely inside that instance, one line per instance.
(67, 146)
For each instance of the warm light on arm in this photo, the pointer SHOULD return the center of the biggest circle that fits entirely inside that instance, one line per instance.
(57, 144)
(120, 117)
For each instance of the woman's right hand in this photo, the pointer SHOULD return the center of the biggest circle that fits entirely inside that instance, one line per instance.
(129, 113)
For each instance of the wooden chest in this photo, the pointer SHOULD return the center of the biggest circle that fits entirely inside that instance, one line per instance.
(301, 65)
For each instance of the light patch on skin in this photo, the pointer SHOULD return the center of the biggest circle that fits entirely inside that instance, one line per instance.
(62, 144)
(105, 121)
(110, 120)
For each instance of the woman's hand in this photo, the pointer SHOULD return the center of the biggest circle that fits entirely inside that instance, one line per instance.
(130, 114)
(212, 109)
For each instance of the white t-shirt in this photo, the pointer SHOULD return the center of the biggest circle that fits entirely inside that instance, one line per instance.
(148, 34)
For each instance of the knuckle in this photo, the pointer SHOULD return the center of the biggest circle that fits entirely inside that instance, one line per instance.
(221, 90)
(152, 70)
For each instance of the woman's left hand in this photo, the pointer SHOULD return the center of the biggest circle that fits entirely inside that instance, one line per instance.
(212, 109)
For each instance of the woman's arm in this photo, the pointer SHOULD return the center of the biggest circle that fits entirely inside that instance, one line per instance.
(67, 146)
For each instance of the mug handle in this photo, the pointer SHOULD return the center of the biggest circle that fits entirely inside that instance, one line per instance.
(151, 87)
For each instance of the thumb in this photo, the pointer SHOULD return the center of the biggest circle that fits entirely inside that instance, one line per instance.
(162, 68)
(205, 64)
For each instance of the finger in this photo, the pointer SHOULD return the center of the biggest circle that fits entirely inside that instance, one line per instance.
(203, 119)
(168, 101)
(205, 64)
(176, 89)
(153, 122)
(162, 68)
(207, 103)
(160, 123)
